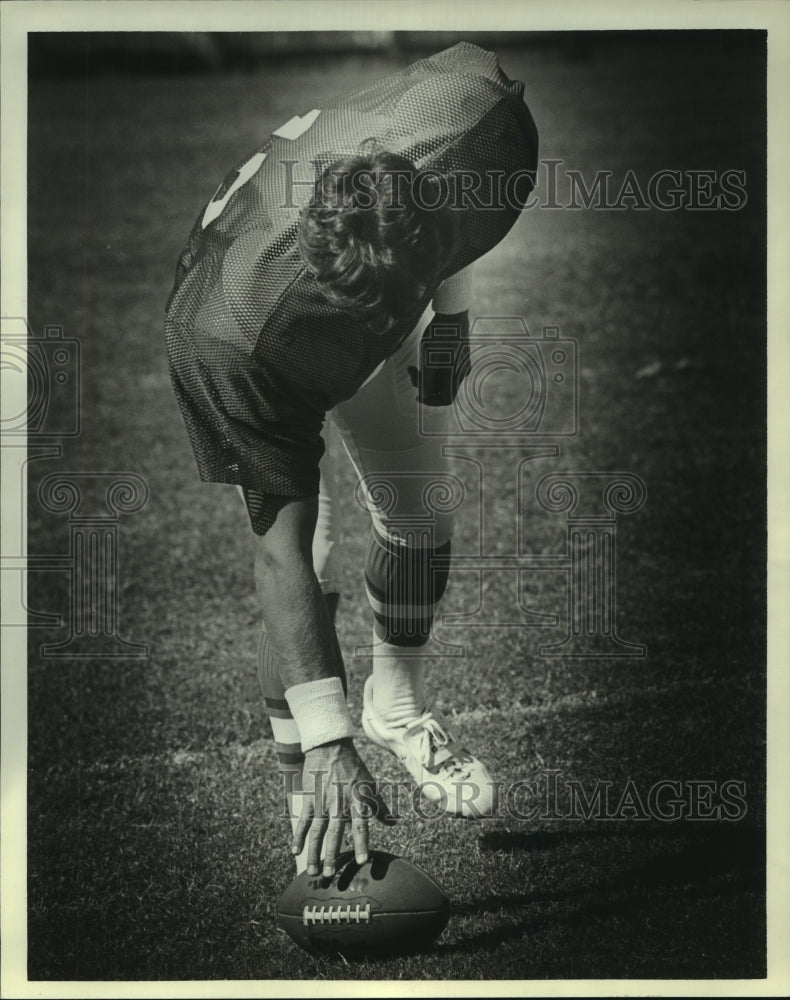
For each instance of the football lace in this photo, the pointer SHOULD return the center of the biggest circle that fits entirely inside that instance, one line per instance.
(347, 914)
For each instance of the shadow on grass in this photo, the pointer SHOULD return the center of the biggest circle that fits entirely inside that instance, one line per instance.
(721, 838)
(687, 863)
(679, 867)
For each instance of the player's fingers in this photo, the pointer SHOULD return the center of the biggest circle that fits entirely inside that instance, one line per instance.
(360, 836)
(302, 827)
(332, 842)
(315, 843)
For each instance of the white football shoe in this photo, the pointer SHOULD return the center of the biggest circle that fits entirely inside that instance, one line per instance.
(444, 771)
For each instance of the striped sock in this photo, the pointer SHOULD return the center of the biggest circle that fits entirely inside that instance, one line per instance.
(404, 584)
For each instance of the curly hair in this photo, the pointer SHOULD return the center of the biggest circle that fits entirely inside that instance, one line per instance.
(374, 244)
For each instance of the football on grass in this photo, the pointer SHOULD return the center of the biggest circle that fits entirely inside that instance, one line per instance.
(387, 906)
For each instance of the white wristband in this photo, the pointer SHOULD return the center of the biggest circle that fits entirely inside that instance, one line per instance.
(320, 711)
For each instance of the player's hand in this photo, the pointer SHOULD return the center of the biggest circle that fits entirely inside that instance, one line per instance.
(337, 789)
(444, 360)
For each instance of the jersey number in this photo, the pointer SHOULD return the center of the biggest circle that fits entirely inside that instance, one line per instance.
(292, 129)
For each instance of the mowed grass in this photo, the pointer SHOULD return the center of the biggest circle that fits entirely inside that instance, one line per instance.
(156, 845)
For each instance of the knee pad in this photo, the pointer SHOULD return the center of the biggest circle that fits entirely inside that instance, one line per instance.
(404, 587)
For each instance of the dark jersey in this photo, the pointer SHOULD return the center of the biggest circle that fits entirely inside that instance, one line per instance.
(257, 354)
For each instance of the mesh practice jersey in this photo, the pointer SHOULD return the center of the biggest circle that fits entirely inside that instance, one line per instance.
(257, 354)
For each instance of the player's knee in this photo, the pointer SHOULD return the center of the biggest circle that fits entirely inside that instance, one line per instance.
(404, 586)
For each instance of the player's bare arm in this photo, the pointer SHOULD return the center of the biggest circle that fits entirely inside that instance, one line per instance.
(337, 787)
(293, 607)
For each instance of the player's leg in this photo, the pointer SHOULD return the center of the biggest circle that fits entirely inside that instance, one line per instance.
(406, 573)
(403, 567)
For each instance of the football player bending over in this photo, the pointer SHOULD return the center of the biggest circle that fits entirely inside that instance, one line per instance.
(295, 330)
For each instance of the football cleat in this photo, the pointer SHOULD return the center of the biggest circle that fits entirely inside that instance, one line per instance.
(445, 772)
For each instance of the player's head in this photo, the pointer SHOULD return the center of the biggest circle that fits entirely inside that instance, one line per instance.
(376, 237)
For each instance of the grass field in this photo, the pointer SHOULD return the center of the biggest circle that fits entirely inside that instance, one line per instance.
(155, 845)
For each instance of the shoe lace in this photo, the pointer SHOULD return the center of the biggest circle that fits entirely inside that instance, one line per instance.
(433, 738)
